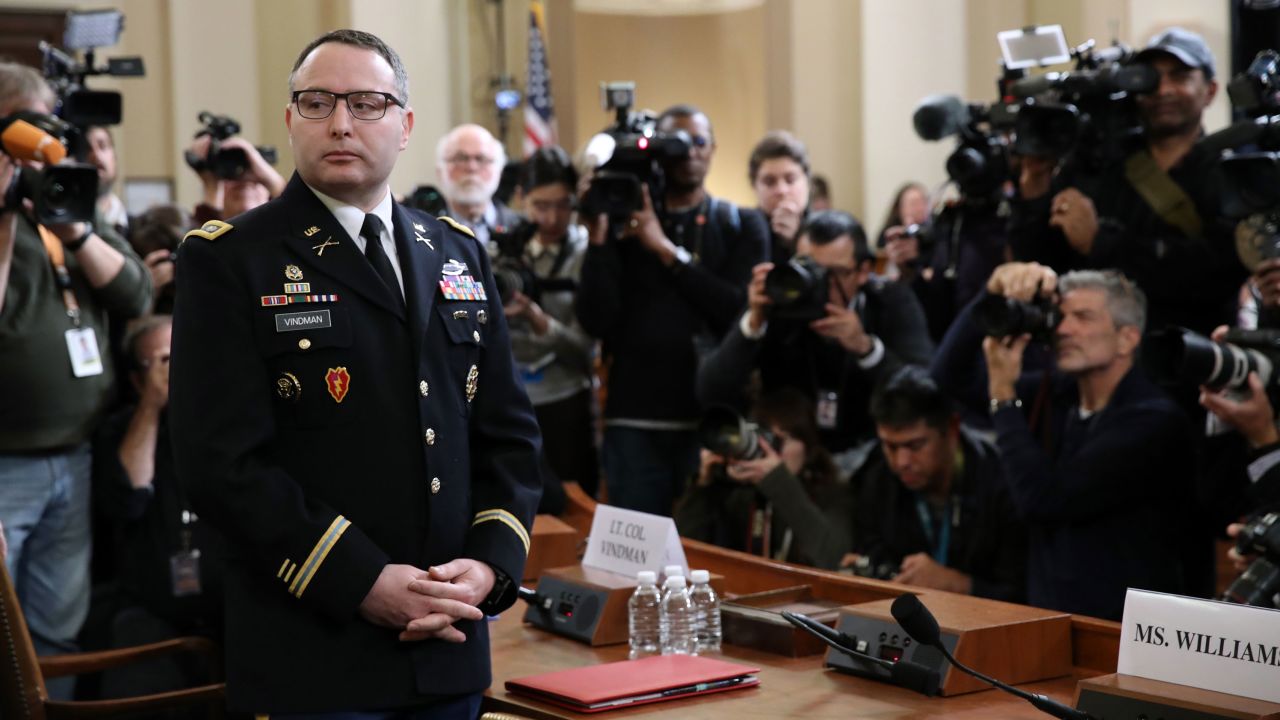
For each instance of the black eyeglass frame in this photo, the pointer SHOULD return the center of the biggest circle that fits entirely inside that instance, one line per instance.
(345, 98)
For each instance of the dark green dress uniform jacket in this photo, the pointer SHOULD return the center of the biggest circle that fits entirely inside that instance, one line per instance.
(374, 434)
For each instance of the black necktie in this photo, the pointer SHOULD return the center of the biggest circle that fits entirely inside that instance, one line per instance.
(371, 231)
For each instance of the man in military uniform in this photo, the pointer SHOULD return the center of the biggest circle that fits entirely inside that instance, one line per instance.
(344, 408)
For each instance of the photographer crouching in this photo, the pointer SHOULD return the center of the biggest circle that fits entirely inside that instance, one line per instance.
(537, 272)
(1099, 461)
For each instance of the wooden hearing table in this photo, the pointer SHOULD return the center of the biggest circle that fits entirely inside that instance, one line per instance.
(789, 687)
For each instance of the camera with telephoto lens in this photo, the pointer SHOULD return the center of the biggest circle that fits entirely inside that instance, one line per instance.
(224, 163)
(726, 433)
(512, 272)
(1260, 582)
(1185, 357)
(1001, 316)
(798, 290)
(632, 153)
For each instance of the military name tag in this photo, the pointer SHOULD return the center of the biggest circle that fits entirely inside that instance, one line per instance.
(288, 322)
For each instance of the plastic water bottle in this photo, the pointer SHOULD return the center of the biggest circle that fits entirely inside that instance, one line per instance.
(677, 619)
(670, 571)
(644, 612)
(706, 607)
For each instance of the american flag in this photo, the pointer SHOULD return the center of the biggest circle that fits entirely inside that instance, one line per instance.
(539, 114)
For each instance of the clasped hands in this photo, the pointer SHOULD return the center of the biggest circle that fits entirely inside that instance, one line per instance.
(424, 605)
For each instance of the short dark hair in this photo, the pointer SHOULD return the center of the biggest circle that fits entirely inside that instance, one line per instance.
(909, 396)
(777, 144)
(827, 226)
(683, 110)
(547, 166)
(360, 39)
(794, 414)
(818, 187)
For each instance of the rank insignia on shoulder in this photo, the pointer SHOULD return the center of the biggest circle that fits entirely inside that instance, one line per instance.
(210, 230)
(458, 226)
(339, 381)
(293, 272)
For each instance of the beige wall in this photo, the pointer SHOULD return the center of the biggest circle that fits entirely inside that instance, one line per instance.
(711, 61)
(843, 74)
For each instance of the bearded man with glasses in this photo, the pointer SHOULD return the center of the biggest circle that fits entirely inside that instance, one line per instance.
(344, 409)
(469, 162)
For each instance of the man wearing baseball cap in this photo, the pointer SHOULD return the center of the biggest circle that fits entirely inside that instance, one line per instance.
(1152, 214)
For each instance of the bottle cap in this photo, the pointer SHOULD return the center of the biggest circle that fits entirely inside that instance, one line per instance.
(676, 581)
(646, 577)
(700, 576)
(673, 571)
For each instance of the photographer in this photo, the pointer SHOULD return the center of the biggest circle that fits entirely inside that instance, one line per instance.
(901, 251)
(779, 173)
(170, 564)
(932, 501)
(787, 502)
(553, 353)
(1153, 215)
(1099, 461)
(668, 278)
(56, 380)
(226, 198)
(865, 328)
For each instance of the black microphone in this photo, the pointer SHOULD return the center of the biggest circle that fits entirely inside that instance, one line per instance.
(542, 602)
(940, 116)
(922, 626)
(903, 673)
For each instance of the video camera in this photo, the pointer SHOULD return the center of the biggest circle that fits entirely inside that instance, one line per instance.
(224, 163)
(64, 192)
(633, 153)
(980, 163)
(1087, 117)
(1259, 583)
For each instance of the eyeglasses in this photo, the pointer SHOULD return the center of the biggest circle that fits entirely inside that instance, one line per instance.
(465, 159)
(364, 105)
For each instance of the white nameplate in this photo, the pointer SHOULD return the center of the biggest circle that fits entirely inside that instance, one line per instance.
(626, 542)
(1234, 649)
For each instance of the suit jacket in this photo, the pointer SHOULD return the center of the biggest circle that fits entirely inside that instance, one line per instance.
(378, 433)
(791, 355)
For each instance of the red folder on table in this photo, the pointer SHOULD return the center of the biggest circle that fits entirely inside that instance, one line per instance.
(634, 682)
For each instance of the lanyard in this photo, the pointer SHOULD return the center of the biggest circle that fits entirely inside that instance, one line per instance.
(950, 514)
(57, 258)
(939, 548)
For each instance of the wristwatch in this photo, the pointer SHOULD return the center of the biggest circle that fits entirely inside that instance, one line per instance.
(998, 405)
(502, 596)
(683, 258)
(75, 245)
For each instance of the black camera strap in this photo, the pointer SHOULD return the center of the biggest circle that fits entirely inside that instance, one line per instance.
(1162, 194)
(699, 219)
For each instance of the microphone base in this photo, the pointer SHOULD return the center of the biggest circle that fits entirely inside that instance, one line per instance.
(1014, 643)
(1128, 696)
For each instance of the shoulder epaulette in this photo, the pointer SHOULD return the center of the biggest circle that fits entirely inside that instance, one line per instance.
(458, 226)
(209, 231)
